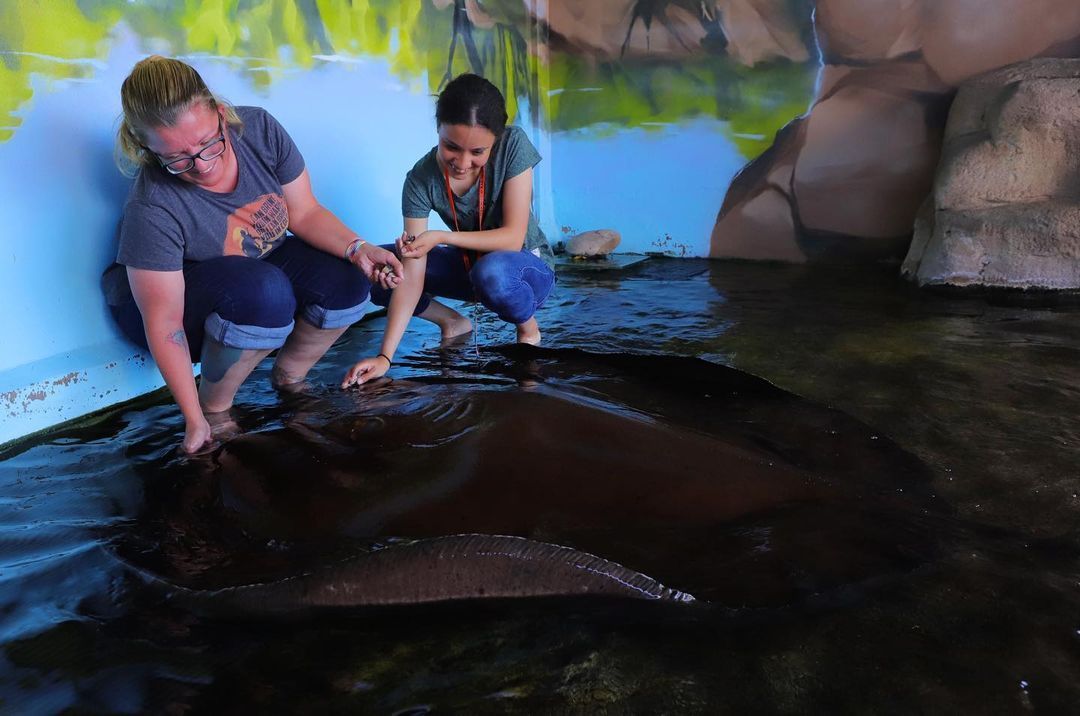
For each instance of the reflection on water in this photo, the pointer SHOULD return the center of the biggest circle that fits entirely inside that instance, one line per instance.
(920, 553)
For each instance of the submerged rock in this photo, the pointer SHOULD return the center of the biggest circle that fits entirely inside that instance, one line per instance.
(1005, 211)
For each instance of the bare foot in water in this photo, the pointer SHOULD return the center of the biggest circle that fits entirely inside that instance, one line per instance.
(455, 328)
(223, 426)
(451, 323)
(529, 332)
(285, 383)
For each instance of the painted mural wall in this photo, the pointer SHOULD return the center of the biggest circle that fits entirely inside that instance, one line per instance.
(764, 129)
(352, 82)
(654, 107)
(624, 100)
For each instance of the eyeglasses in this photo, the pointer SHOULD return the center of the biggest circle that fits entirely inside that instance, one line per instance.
(213, 150)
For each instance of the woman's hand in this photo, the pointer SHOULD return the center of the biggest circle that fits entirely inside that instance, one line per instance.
(379, 265)
(413, 247)
(402, 242)
(197, 434)
(365, 370)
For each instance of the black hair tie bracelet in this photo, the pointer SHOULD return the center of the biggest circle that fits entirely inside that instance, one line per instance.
(389, 363)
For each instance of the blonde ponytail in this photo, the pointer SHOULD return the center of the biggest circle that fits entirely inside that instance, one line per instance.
(157, 93)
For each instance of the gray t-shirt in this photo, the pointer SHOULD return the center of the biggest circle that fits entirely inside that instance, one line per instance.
(425, 190)
(168, 222)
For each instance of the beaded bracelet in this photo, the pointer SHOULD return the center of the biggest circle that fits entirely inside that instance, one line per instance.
(390, 363)
(353, 247)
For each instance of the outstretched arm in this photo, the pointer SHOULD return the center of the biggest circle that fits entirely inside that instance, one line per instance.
(160, 298)
(318, 226)
(402, 304)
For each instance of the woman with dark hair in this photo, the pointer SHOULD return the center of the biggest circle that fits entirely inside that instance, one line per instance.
(224, 252)
(479, 180)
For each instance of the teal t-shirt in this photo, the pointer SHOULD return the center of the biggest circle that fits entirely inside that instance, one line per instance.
(425, 191)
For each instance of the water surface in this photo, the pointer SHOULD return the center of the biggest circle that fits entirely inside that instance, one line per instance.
(940, 574)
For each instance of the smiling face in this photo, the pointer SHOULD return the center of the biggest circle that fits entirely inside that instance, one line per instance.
(464, 149)
(196, 129)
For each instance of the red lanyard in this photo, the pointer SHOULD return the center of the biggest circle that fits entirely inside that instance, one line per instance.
(467, 256)
(450, 198)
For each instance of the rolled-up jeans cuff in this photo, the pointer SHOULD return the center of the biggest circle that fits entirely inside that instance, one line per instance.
(334, 318)
(235, 335)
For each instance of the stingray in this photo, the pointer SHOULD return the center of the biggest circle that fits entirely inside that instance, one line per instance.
(542, 472)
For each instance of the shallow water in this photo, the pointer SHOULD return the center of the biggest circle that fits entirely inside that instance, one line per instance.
(936, 567)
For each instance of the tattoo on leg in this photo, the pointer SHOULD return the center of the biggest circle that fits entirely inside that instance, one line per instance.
(280, 377)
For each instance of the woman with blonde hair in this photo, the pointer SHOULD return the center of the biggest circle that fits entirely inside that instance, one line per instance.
(224, 252)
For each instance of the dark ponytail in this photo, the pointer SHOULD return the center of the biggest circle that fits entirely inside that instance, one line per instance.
(473, 101)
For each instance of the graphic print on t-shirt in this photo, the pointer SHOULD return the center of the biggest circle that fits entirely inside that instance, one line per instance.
(255, 228)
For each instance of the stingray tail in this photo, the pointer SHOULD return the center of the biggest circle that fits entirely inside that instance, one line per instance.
(455, 567)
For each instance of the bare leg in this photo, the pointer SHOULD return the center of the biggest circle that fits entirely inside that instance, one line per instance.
(529, 332)
(305, 346)
(451, 323)
(223, 370)
(222, 425)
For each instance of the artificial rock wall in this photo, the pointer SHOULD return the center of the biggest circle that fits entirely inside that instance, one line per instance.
(1005, 208)
(845, 181)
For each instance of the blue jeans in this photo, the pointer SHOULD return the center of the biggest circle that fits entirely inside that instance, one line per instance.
(511, 284)
(250, 303)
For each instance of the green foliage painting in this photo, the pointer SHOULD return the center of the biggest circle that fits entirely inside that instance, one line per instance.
(429, 41)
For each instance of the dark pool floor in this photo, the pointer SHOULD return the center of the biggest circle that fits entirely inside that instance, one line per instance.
(983, 390)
